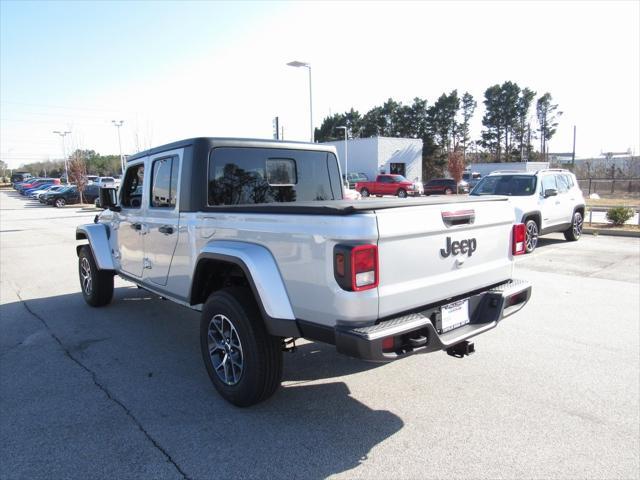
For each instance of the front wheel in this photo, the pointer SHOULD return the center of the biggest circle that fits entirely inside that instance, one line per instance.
(574, 233)
(364, 192)
(96, 285)
(402, 193)
(531, 235)
(448, 191)
(60, 202)
(242, 360)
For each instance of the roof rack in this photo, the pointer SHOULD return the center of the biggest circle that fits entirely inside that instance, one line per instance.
(553, 170)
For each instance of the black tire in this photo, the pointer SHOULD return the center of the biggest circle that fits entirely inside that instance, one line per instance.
(364, 192)
(258, 373)
(532, 232)
(96, 285)
(575, 231)
(402, 193)
(448, 191)
(59, 202)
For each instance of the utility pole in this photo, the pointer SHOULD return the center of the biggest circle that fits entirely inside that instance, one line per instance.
(528, 140)
(346, 155)
(306, 65)
(118, 124)
(64, 152)
(573, 154)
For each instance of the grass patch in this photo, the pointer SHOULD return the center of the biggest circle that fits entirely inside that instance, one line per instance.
(613, 202)
(611, 226)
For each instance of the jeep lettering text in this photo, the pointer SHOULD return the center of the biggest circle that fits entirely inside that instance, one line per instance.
(463, 246)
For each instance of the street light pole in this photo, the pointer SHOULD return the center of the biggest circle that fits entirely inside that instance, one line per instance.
(346, 155)
(307, 65)
(118, 124)
(64, 153)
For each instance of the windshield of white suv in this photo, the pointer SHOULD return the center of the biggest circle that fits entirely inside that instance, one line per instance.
(512, 185)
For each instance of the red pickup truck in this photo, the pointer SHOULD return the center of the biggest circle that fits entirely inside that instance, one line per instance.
(388, 185)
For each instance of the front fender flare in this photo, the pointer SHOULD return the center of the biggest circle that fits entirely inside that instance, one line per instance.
(96, 233)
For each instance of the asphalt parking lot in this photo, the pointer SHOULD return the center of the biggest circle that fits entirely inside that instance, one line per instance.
(121, 392)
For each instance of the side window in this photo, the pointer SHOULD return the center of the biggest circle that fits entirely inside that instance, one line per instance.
(549, 181)
(385, 179)
(563, 183)
(132, 187)
(164, 182)
(569, 179)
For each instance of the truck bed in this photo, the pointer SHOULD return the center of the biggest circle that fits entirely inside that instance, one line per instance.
(348, 207)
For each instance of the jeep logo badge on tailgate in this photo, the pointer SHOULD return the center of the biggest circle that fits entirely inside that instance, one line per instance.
(463, 246)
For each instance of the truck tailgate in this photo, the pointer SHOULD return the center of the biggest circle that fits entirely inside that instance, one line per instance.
(421, 258)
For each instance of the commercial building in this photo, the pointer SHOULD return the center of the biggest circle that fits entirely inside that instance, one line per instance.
(375, 155)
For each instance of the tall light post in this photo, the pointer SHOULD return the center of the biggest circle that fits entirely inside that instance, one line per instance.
(118, 124)
(64, 152)
(308, 66)
(346, 156)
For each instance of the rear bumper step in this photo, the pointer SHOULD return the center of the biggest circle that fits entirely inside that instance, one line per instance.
(416, 332)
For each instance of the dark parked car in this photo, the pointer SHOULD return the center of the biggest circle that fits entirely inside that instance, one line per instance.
(63, 197)
(91, 193)
(444, 186)
(20, 177)
(355, 177)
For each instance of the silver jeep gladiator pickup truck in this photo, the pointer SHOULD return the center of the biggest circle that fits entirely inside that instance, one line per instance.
(256, 235)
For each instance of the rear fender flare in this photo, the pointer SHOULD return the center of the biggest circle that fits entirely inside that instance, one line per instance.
(263, 275)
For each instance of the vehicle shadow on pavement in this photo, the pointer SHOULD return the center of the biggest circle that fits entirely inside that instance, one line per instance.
(145, 353)
(543, 242)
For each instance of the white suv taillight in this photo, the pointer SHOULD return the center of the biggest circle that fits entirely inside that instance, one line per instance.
(356, 267)
(518, 239)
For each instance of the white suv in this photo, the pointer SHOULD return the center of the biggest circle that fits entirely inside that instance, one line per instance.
(545, 201)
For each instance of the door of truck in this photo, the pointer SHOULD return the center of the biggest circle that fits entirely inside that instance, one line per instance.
(163, 217)
(128, 236)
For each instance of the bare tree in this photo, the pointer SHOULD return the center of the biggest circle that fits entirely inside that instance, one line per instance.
(456, 165)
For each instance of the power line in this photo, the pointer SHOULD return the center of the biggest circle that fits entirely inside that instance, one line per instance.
(60, 106)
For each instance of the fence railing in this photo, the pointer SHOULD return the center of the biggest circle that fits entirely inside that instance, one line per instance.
(610, 186)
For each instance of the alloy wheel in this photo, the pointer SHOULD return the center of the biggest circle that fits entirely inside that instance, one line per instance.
(85, 276)
(225, 350)
(577, 224)
(531, 236)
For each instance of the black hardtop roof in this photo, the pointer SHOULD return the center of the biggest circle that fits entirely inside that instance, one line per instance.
(233, 141)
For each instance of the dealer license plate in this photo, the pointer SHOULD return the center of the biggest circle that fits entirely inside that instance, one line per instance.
(455, 315)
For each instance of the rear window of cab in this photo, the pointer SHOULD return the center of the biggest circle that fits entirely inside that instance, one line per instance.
(249, 176)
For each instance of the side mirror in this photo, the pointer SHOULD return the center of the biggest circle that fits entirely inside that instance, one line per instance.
(550, 192)
(109, 199)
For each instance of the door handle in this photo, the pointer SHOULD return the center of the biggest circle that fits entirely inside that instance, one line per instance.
(166, 229)
(136, 226)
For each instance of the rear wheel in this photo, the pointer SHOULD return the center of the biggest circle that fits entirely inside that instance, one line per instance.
(243, 361)
(574, 233)
(531, 235)
(402, 193)
(96, 285)
(448, 191)
(364, 192)
(60, 202)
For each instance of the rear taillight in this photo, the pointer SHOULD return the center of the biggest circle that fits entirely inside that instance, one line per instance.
(356, 267)
(518, 245)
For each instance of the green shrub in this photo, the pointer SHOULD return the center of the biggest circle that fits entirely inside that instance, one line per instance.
(619, 215)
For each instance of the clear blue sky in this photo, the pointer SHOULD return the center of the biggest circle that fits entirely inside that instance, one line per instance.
(173, 70)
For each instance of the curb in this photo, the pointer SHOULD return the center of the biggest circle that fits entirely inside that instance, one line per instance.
(611, 233)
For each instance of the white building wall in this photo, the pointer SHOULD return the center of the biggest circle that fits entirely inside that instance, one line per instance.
(486, 168)
(401, 150)
(376, 154)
